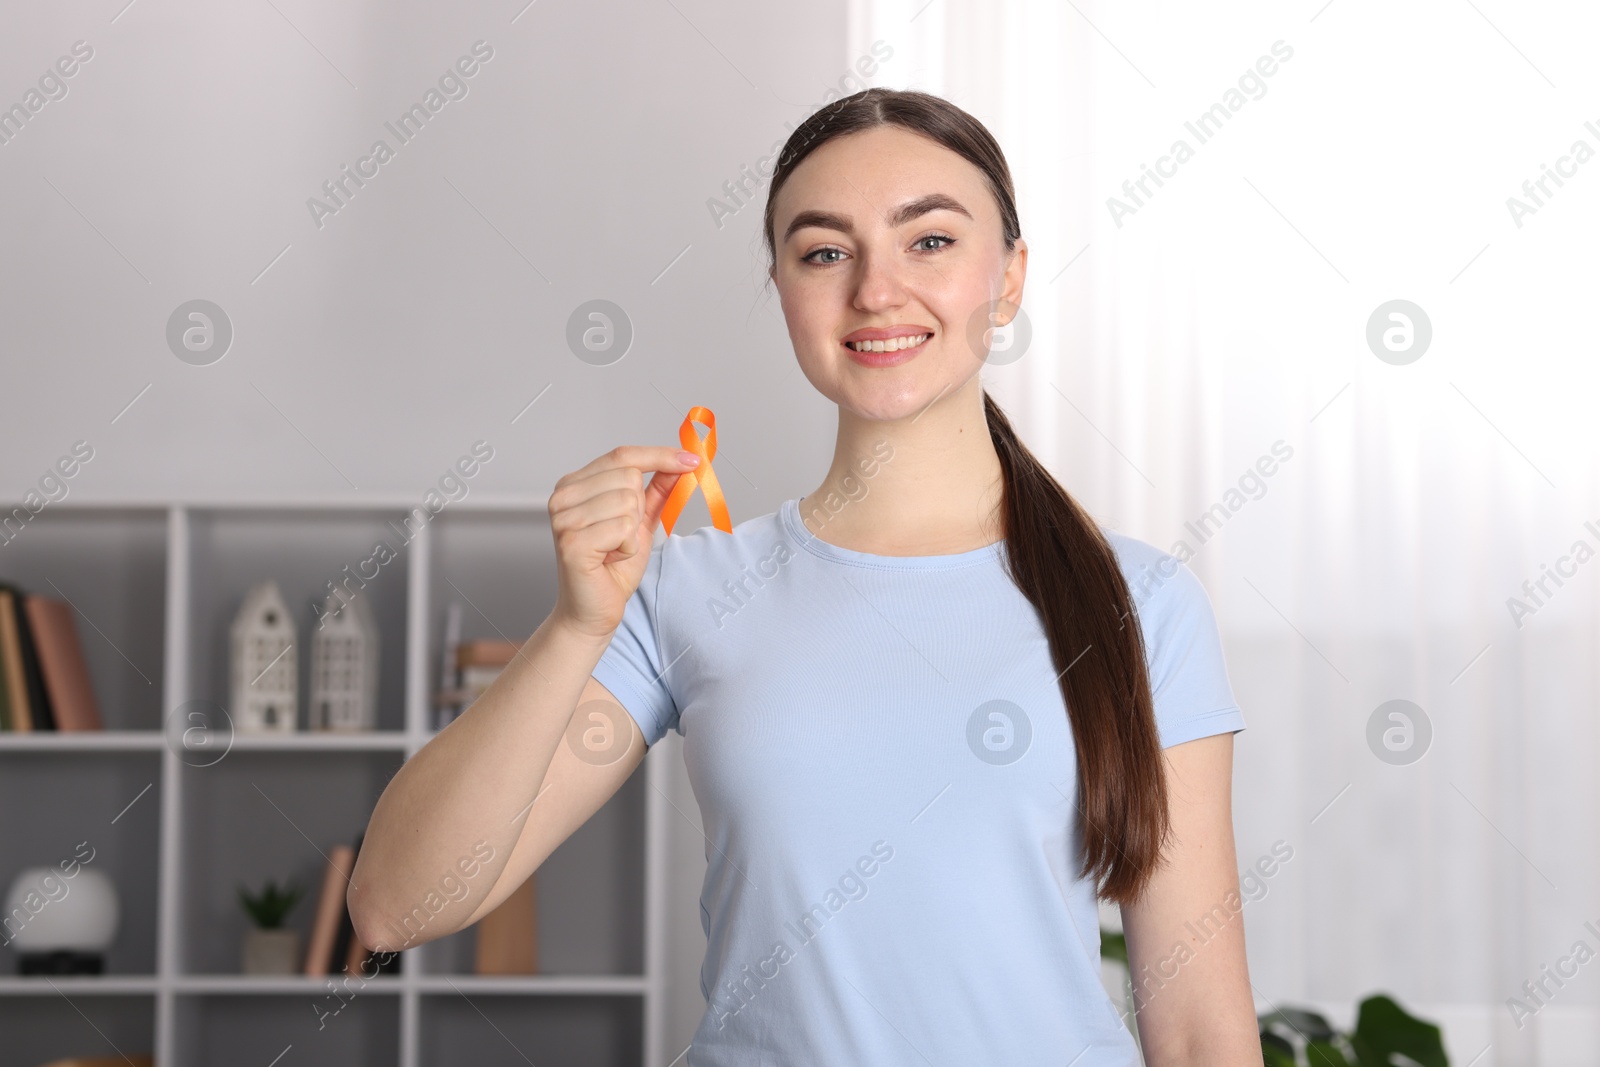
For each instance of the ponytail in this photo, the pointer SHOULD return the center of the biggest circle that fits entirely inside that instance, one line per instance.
(1068, 571)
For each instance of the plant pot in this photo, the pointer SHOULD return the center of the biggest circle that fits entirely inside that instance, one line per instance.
(271, 951)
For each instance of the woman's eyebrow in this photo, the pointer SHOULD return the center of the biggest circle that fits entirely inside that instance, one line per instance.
(907, 212)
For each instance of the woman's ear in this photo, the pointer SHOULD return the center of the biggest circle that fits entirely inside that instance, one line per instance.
(1016, 274)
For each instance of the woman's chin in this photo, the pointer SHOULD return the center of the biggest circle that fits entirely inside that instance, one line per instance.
(888, 402)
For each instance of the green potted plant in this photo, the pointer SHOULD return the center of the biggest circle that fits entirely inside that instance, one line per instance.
(1385, 1034)
(269, 947)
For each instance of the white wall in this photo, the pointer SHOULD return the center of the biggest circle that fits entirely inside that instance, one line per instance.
(432, 308)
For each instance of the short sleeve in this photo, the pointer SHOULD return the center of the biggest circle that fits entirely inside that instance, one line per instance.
(631, 667)
(1188, 677)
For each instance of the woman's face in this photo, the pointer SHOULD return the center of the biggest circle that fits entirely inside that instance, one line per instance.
(886, 234)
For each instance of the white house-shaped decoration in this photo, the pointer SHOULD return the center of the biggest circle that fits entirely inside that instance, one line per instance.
(264, 671)
(344, 667)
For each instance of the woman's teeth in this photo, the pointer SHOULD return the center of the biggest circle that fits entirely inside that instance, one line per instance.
(894, 344)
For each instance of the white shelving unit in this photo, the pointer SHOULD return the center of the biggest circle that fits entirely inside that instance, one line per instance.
(154, 587)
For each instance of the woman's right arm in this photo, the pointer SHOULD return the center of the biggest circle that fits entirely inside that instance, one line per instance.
(457, 829)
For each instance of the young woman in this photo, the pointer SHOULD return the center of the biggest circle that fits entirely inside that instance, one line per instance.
(922, 735)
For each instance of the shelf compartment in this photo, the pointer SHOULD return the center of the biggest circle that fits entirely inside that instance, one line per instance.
(111, 800)
(507, 1031)
(314, 1029)
(500, 566)
(111, 565)
(298, 807)
(302, 550)
(45, 1029)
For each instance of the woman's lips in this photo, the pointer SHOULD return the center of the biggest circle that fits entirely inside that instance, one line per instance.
(887, 359)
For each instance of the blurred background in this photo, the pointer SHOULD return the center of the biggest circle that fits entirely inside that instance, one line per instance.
(1370, 269)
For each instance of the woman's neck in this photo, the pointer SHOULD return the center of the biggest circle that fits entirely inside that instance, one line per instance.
(926, 485)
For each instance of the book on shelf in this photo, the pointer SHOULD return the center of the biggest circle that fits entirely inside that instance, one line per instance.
(19, 717)
(5, 701)
(333, 947)
(38, 699)
(44, 679)
(486, 652)
(330, 910)
(61, 662)
(508, 937)
(339, 958)
(348, 952)
(356, 955)
(21, 663)
(469, 672)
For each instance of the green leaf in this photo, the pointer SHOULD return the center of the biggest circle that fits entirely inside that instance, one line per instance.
(1291, 1021)
(1384, 1028)
(1113, 946)
(1277, 1052)
(268, 908)
(1323, 1054)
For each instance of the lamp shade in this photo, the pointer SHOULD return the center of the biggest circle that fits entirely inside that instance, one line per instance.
(47, 911)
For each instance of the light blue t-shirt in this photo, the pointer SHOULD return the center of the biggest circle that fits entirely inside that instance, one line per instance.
(886, 777)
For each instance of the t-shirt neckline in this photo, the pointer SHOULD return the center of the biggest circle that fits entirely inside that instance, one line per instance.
(790, 513)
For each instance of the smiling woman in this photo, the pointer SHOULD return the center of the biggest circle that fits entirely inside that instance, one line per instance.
(949, 669)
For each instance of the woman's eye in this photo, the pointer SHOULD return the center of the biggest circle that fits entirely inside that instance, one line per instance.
(827, 257)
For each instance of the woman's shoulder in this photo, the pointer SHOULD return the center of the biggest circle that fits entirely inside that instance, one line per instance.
(1188, 672)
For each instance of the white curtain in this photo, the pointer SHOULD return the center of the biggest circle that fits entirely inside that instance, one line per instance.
(1175, 346)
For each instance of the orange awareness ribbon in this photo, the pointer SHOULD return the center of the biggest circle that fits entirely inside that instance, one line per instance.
(703, 475)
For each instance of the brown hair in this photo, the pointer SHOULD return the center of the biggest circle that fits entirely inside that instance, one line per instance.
(1059, 557)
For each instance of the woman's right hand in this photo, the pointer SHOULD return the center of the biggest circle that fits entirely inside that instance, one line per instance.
(603, 519)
